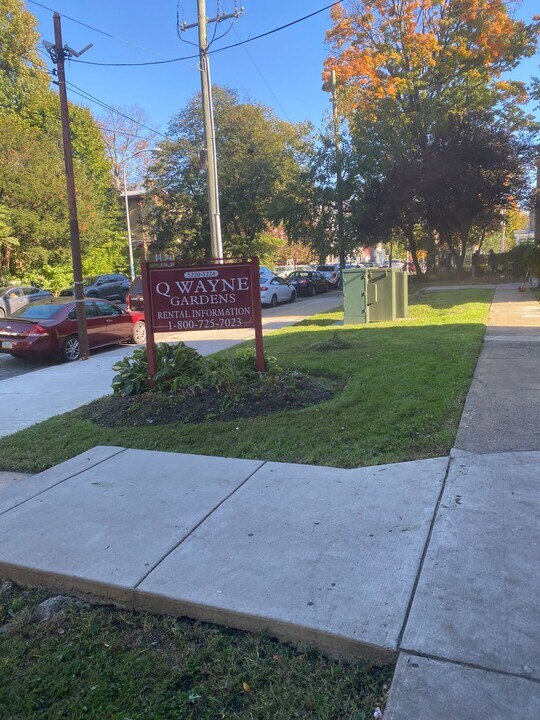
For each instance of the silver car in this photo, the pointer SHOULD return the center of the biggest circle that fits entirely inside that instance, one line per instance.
(14, 297)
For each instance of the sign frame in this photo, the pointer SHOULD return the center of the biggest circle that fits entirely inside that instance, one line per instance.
(251, 265)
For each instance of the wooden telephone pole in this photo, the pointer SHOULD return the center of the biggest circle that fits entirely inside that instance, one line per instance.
(58, 55)
(208, 118)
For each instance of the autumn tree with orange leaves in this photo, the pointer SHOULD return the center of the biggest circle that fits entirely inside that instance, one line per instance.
(404, 66)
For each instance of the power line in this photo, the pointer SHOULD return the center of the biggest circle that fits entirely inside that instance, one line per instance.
(225, 47)
(264, 80)
(103, 104)
(98, 30)
(82, 94)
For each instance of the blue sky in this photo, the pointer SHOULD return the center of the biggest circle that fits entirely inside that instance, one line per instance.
(282, 71)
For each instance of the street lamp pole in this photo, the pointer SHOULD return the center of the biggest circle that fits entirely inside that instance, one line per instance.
(339, 176)
(128, 223)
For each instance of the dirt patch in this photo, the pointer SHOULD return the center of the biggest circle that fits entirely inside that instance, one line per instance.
(334, 343)
(289, 391)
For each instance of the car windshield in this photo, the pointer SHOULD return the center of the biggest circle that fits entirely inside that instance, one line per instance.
(136, 286)
(37, 311)
(326, 268)
(4, 289)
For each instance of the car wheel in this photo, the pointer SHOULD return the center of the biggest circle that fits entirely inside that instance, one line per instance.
(293, 296)
(273, 301)
(70, 349)
(139, 333)
(312, 291)
(2, 313)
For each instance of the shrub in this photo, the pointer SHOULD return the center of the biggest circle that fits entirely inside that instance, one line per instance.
(532, 259)
(237, 370)
(513, 261)
(179, 367)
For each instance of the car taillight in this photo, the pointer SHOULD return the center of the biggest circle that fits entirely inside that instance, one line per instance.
(263, 288)
(36, 330)
(128, 301)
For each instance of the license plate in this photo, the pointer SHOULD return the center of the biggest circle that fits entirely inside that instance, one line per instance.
(6, 345)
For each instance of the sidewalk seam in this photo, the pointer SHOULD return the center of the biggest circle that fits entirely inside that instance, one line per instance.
(423, 557)
(50, 487)
(465, 664)
(195, 527)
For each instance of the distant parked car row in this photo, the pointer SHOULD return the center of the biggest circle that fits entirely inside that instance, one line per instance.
(108, 287)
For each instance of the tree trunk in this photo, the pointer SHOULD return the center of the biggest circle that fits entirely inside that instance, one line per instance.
(413, 247)
(432, 259)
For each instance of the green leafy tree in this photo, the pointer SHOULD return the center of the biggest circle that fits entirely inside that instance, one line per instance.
(260, 164)
(404, 69)
(23, 75)
(32, 182)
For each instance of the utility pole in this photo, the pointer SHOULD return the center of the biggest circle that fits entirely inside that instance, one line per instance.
(208, 118)
(537, 204)
(58, 55)
(339, 177)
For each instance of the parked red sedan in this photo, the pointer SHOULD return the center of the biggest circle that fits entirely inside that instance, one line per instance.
(49, 329)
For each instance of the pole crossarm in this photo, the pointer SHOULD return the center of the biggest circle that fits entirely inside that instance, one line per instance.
(219, 18)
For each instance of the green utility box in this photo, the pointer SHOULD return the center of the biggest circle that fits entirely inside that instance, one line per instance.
(374, 295)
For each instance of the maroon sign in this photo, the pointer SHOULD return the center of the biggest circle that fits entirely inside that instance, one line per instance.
(206, 297)
(214, 297)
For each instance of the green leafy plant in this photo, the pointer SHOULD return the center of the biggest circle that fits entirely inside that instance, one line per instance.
(131, 374)
(532, 259)
(237, 370)
(178, 366)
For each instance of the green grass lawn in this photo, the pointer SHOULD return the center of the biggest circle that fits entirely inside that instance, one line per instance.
(401, 389)
(101, 663)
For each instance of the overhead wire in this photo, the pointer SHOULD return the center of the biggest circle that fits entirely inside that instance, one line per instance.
(220, 49)
(80, 91)
(265, 81)
(98, 30)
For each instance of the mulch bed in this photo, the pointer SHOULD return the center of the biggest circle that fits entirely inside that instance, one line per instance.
(288, 391)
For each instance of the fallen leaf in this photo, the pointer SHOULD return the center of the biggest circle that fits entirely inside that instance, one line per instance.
(247, 687)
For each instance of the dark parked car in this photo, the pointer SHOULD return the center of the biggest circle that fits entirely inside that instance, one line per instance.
(14, 297)
(108, 287)
(332, 273)
(308, 282)
(49, 329)
(134, 298)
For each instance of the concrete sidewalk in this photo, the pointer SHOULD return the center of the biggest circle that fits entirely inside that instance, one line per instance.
(471, 645)
(59, 388)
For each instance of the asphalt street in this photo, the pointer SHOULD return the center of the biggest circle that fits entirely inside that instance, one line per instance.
(205, 341)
